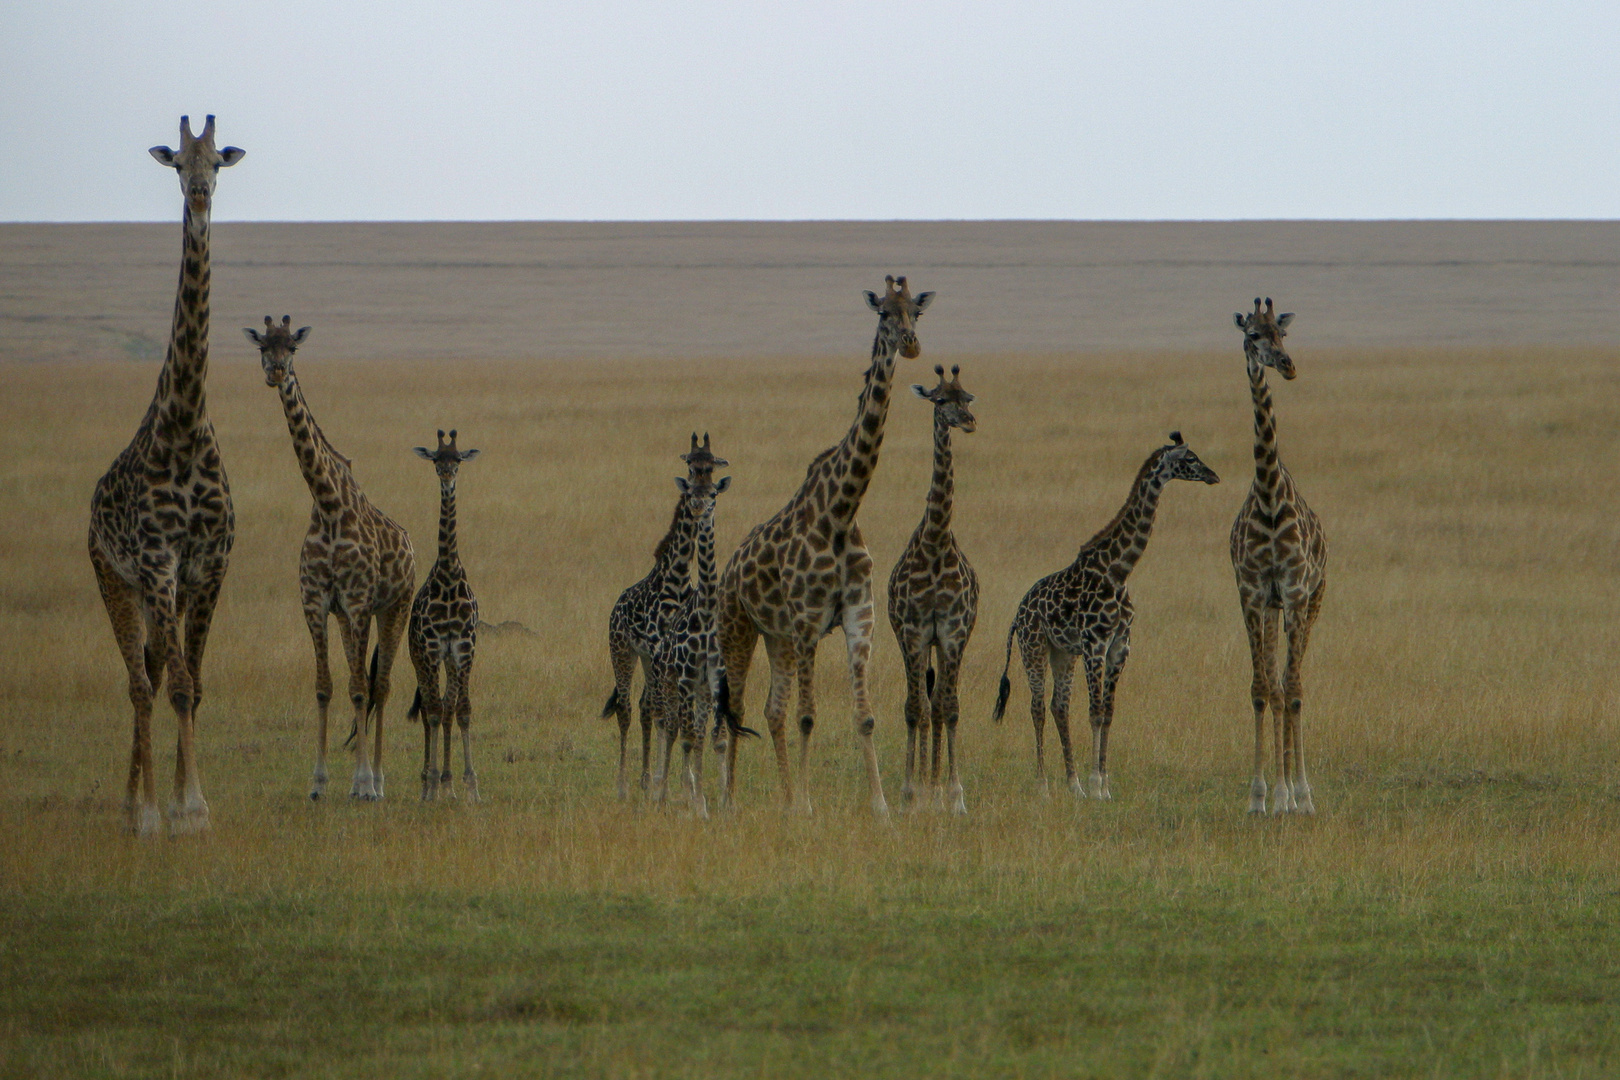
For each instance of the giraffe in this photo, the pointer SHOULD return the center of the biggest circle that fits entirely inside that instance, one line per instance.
(633, 626)
(806, 570)
(934, 600)
(444, 629)
(161, 519)
(356, 564)
(1279, 554)
(688, 674)
(1085, 611)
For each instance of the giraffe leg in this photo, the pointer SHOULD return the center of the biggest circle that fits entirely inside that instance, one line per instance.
(623, 657)
(164, 611)
(1113, 664)
(315, 620)
(356, 636)
(130, 629)
(804, 663)
(692, 746)
(390, 629)
(1282, 793)
(1254, 614)
(946, 709)
(649, 718)
(427, 682)
(738, 636)
(916, 661)
(858, 622)
(1034, 657)
(463, 662)
(1299, 626)
(1062, 684)
(784, 667)
(671, 715)
(199, 618)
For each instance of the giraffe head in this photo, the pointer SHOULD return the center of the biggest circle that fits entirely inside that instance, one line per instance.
(1263, 332)
(198, 164)
(949, 399)
(700, 462)
(446, 459)
(898, 312)
(276, 347)
(1178, 462)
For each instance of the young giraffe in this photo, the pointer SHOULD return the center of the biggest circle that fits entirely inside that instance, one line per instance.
(161, 520)
(806, 570)
(633, 627)
(444, 630)
(687, 670)
(356, 563)
(1279, 554)
(1085, 611)
(934, 601)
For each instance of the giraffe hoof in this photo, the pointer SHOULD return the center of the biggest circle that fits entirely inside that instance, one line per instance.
(145, 820)
(188, 820)
(1303, 803)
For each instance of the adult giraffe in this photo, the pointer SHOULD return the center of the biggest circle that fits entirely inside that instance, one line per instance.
(1279, 554)
(806, 571)
(161, 520)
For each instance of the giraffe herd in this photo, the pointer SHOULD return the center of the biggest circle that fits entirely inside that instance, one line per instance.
(162, 527)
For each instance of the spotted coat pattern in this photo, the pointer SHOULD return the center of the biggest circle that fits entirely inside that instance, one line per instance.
(443, 632)
(356, 565)
(161, 519)
(1279, 555)
(634, 628)
(1084, 612)
(933, 604)
(806, 571)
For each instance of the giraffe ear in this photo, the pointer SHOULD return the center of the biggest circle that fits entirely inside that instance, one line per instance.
(921, 391)
(468, 455)
(253, 335)
(163, 155)
(423, 452)
(1284, 319)
(872, 300)
(721, 484)
(230, 156)
(682, 485)
(923, 300)
(299, 336)
(1241, 320)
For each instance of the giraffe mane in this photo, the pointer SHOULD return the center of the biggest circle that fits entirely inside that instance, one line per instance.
(1147, 466)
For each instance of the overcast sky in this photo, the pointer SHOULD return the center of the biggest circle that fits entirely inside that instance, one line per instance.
(615, 109)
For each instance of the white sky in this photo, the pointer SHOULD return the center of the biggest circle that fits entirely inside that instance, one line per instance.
(616, 109)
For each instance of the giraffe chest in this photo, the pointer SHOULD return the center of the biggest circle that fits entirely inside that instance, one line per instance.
(159, 511)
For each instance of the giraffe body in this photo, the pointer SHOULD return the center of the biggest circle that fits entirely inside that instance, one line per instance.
(806, 571)
(443, 631)
(161, 519)
(356, 565)
(688, 672)
(635, 624)
(933, 605)
(1084, 612)
(1279, 555)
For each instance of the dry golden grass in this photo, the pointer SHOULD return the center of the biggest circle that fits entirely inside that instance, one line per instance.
(1461, 693)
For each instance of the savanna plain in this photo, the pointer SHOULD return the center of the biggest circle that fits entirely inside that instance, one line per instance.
(1450, 910)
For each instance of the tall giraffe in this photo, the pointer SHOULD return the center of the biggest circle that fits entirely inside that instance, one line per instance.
(161, 520)
(444, 630)
(1279, 554)
(1085, 611)
(687, 670)
(807, 570)
(356, 564)
(934, 600)
(633, 626)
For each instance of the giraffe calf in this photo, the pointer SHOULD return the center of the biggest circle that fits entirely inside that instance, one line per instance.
(444, 630)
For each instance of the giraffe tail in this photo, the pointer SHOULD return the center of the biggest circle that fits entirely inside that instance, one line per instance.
(1006, 683)
(928, 681)
(416, 706)
(371, 696)
(723, 709)
(614, 704)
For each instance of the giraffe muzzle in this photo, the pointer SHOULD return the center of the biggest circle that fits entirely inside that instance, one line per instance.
(910, 347)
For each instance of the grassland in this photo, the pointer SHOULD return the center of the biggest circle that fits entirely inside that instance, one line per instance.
(1451, 910)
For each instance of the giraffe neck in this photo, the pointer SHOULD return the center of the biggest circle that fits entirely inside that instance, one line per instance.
(1121, 542)
(180, 406)
(855, 458)
(678, 572)
(936, 522)
(1267, 472)
(324, 470)
(447, 522)
(706, 578)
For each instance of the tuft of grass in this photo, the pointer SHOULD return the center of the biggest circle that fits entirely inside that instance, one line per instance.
(1450, 910)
